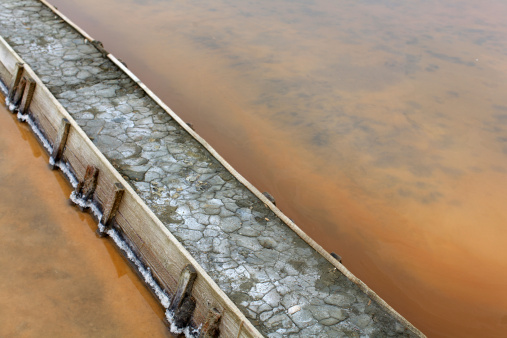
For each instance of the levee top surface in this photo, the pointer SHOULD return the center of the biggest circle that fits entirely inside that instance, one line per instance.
(278, 280)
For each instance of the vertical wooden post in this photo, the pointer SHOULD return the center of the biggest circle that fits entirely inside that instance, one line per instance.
(60, 142)
(269, 197)
(183, 304)
(211, 328)
(185, 285)
(25, 104)
(18, 95)
(15, 80)
(183, 314)
(86, 187)
(112, 207)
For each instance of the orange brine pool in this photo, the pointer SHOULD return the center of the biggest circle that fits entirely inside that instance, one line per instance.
(58, 279)
(379, 126)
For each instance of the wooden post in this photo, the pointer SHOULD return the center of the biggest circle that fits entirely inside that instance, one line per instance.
(25, 104)
(269, 197)
(60, 142)
(183, 314)
(111, 208)
(18, 94)
(100, 47)
(211, 328)
(185, 285)
(183, 304)
(15, 80)
(86, 187)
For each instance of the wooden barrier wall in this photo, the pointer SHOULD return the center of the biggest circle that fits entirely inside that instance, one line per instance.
(171, 265)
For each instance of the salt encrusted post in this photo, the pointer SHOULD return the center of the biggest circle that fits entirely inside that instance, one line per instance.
(20, 67)
(183, 314)
(25, 104)
(111, 208)
(60, 143)
(86, 187)
(183, 303)
(211, 328)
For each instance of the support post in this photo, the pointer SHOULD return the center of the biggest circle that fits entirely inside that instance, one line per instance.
(269, 197)
(211, 328)
(100, 47)
(25, 104)
(86, 187)
(20, 67)
(111, 208)
(60, 143)
(18, 95)
(183, 314)
(183, 304)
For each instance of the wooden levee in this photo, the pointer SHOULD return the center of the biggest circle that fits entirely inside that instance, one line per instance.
(148, 238)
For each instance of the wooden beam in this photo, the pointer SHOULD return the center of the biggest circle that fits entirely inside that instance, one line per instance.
(183, 314)
(25, 103)
(211, 329)
(86, 187)
(18, 94)
(60, 142)
(100, 47)
(185, 285)
(269, 197)
(15, 80)
(112, 207)
(183, 303)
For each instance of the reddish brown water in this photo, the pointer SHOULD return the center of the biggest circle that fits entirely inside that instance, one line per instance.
(380, 126)
(57, 279)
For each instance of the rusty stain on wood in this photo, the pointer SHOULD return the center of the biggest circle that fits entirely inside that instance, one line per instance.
(211, 328)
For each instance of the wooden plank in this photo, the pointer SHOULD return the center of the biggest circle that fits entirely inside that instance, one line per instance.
(165, 273)
(5, 75)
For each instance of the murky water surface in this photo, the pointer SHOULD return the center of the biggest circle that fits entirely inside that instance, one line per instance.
(57, 279)
(380, 126)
